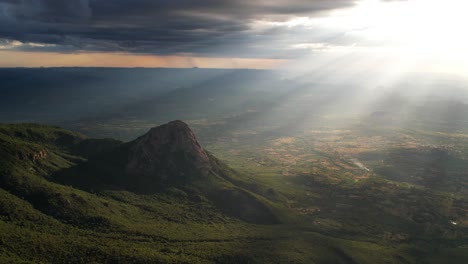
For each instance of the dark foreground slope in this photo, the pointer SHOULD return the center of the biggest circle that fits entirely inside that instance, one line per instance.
(162, 198)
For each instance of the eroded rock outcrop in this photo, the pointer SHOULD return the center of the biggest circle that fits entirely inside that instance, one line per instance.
(168, 152)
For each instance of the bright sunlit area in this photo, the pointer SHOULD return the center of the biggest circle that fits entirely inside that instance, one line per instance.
(388, 36)
(425, 33)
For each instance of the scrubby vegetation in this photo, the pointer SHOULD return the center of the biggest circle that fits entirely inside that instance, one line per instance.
(311, 218)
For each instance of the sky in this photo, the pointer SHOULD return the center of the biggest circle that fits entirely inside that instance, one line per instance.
(403, 35)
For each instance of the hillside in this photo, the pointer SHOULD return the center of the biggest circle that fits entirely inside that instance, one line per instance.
(162, 198)
(168, 156)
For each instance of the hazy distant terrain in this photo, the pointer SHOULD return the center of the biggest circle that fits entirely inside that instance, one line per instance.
(123, 103)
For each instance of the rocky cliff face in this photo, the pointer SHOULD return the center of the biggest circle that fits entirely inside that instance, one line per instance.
(33, 156)
(168, 153)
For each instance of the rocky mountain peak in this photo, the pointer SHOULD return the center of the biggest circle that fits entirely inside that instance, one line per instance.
(168, 152)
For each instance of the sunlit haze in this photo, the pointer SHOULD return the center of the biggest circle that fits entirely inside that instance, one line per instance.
(416, 35)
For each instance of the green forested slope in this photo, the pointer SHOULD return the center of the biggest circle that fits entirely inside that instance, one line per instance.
(226, 217)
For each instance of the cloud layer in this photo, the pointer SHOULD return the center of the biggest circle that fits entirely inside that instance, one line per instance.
(205, 27)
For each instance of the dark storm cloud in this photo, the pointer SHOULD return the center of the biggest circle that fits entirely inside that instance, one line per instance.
(210, 27)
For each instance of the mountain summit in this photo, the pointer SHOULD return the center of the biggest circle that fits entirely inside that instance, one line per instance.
(165, 159)
(169, 153)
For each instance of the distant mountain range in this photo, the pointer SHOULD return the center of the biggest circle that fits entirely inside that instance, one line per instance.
(124, 103)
